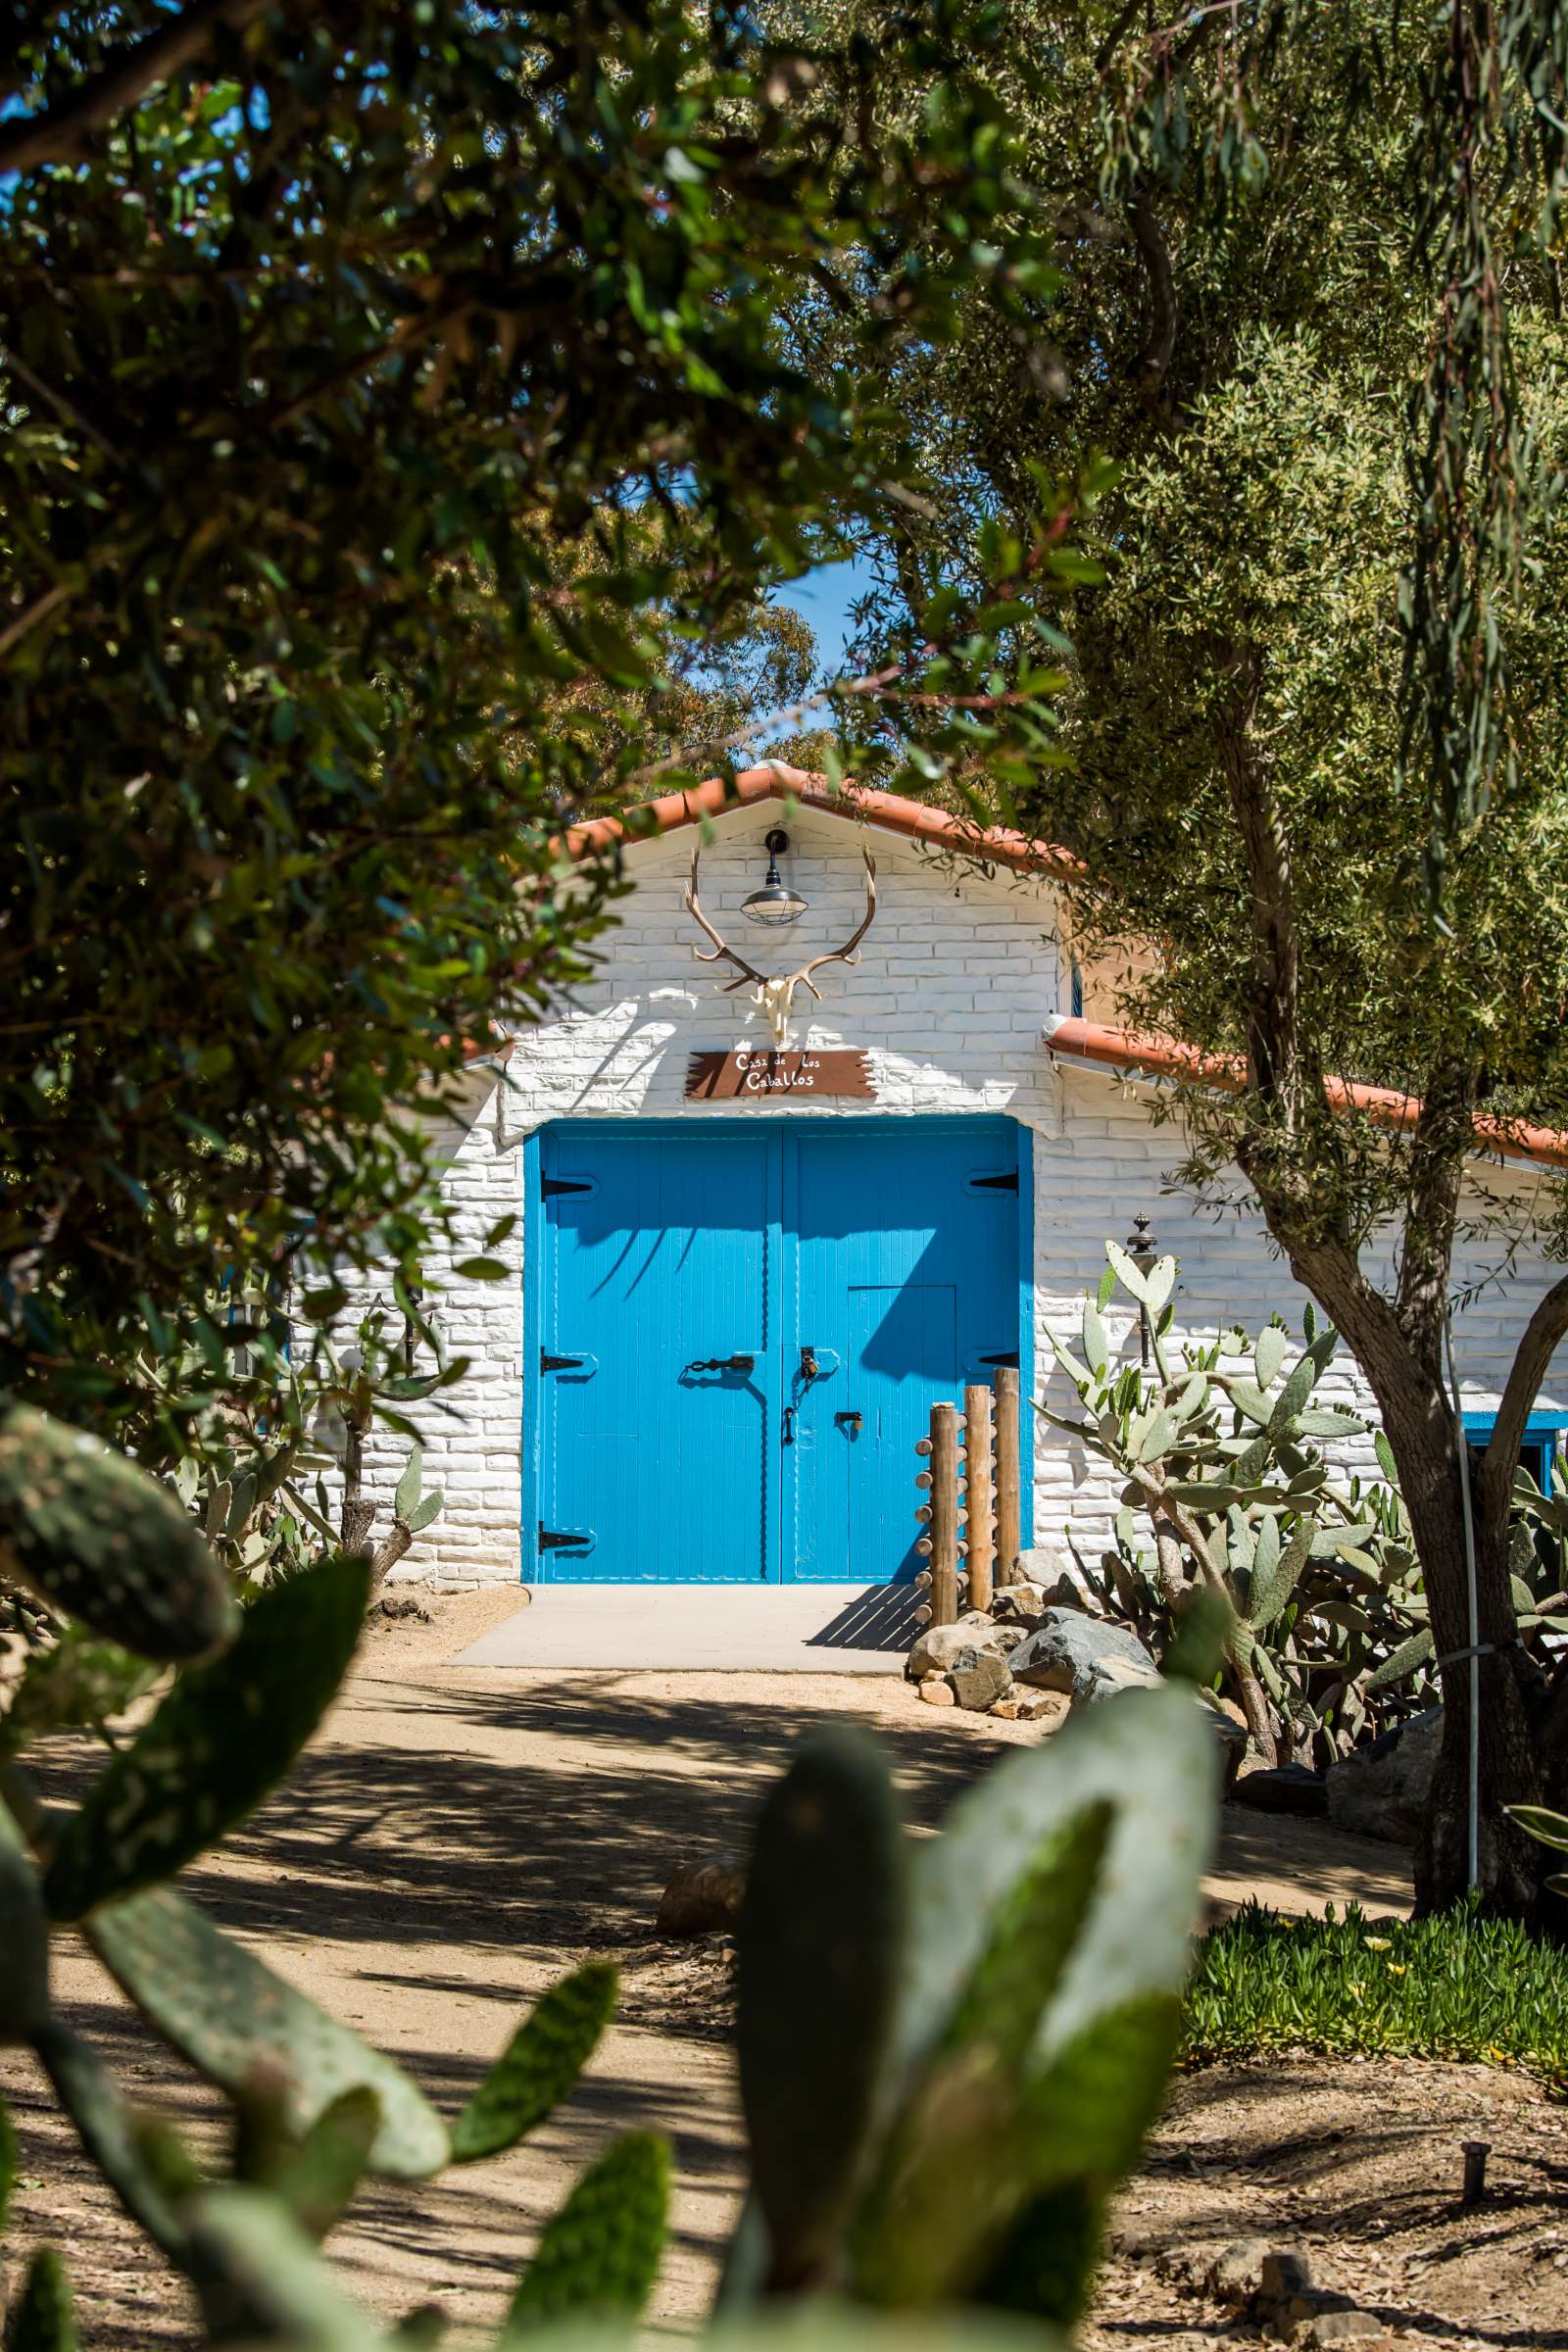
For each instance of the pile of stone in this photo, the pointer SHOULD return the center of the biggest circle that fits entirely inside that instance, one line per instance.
(1037, 1653)
(1034, 1652)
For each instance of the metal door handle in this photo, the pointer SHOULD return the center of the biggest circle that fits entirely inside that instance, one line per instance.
(723, 1363)
(853, 1422)
(787, 1437)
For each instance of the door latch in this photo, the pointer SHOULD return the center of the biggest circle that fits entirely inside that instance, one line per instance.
(853, 1422)
(810, 1366)
(723, 1363)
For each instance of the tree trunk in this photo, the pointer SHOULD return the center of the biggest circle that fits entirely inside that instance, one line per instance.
(1509, 1865)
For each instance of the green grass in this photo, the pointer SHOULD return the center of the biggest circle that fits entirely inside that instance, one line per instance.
(1458, 1985)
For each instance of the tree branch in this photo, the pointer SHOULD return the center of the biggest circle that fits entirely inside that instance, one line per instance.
(1543, 1333)
(1159, 335)
(58, 135)
(1444, 1137)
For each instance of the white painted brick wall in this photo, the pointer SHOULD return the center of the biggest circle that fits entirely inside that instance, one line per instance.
(949, 998)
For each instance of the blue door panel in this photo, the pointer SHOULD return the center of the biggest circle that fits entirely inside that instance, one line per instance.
(662, 1470)
(866, 1269)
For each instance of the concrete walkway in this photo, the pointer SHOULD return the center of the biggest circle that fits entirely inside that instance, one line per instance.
(734, 1629)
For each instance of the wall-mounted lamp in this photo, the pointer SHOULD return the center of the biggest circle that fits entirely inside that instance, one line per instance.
(775, 902)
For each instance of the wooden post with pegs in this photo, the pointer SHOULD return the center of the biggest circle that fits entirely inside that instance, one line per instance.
(1010, 1512)
(943, 1521)
(979, 1505)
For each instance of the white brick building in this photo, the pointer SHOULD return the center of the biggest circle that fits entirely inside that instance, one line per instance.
(778, 1231)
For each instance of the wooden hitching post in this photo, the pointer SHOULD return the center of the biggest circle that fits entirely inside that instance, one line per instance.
(978, 1494)
(1009, 1517)
(943, 1515)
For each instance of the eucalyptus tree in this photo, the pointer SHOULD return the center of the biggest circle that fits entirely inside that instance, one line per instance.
(398, 412)
(1314, 745)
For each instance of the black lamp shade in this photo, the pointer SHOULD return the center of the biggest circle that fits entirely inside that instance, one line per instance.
(776, 904)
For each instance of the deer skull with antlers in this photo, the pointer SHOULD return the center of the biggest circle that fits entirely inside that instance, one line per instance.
(773, 993)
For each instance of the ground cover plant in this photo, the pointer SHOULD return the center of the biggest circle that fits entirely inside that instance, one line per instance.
(1456, 1985)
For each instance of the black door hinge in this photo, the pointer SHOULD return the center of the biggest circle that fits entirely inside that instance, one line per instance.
(558, 1364)
(562, 1538)
(549, 1186)
(996, 1184)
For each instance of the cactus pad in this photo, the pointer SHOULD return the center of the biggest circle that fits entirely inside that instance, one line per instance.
(599, 2254)
(236, 2022)
(817, 1948)
(539, 2065)
(43, 2318)
(226, 1733)
(92, 1534)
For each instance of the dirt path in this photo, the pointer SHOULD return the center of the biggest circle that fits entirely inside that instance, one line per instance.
(454, 1838)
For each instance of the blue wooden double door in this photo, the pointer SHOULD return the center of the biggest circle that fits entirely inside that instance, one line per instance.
(739, 1329)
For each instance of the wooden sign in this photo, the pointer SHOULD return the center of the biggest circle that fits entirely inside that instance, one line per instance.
(748, 1072)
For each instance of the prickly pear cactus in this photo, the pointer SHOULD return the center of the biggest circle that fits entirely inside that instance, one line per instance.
(94, 1537)
(1029, 2012)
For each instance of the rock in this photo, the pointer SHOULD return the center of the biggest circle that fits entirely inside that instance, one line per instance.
(1008, 1637)
(1021, 1605)
(396, 1605)
(1283, 1789)
(1048, 1707)
(977, 1679)
(701, 1898)
(1082, 1655)
(1231, 1738)
(1381, 1790)
(1236, 2273)
(937, 1691)
(1284, 2273)
(937, 1647)
(1343, 2326)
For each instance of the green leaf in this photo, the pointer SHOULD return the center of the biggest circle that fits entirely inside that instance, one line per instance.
(24, 1943)
(1330, 1421)
(1161, 1281)
(1096, 1350)
(224, 1736)
(109, 2131)
(409, 1485)
(599, 2254)
(43, 2317)
(1127, 1273)
(482, 1269)
(80, 1680)
(539, 2065)
(1151, 1755)
(1196, 1650)
(92, 1534)
(953, 2172)
(1551, 1829)
(1403, 1661)
(264, 2281)
(427, 1509)
(1268, 1353)
(319, 2177)
(236, 2022)
(1250, 1401)
(818, 1945)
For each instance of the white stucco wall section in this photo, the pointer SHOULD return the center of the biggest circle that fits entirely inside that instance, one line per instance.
(949, 1000)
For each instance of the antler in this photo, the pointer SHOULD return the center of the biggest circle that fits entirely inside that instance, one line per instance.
(849, 953)
(721, 949)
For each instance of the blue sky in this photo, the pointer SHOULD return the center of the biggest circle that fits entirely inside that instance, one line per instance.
(824, 597)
